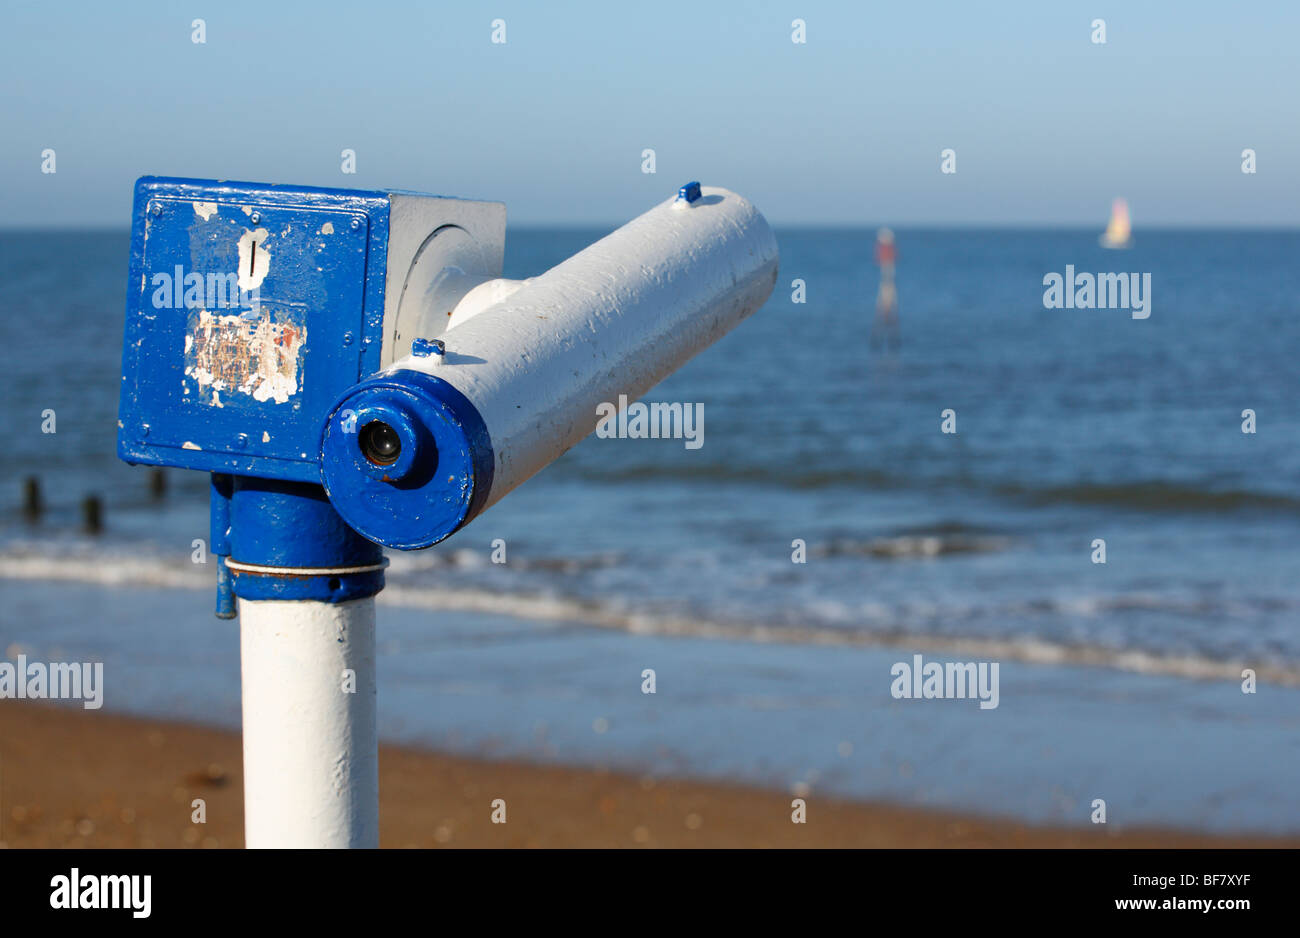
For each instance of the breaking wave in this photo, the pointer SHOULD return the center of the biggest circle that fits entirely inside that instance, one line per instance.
(152, 572)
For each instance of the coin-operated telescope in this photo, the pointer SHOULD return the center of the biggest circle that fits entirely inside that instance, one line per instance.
(355, 374)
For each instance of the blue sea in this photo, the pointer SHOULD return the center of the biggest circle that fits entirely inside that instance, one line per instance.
(1120, 681)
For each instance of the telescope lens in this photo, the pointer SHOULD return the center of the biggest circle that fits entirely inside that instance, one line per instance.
(380, 443)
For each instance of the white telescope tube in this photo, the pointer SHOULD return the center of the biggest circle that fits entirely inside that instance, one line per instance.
(616, 318)
(311, 770)
(414, 453)
(484, 296)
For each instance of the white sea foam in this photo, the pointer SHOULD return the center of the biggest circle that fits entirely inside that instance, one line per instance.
(615, 614)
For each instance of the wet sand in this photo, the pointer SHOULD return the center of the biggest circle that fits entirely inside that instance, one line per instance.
(78, 778)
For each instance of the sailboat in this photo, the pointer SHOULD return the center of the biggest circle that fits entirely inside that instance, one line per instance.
(1117, 233)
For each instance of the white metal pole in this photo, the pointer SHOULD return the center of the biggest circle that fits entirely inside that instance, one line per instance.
(311, 749)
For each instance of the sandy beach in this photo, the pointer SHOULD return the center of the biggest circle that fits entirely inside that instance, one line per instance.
(76, 778)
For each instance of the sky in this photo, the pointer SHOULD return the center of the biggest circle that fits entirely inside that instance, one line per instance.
(846, 128)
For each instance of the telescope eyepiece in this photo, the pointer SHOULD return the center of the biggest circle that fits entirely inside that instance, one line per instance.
(406, 459)
(380, 443)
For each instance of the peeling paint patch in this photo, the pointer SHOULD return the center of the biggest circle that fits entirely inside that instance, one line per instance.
(205, 210)
(254, 259)
(327, 228)
(246, 209)
(260, 358)
(266, 437)
(188, 445)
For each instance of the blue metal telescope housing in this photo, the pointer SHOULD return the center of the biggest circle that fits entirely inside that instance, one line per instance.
(252, 312)
(353, 370)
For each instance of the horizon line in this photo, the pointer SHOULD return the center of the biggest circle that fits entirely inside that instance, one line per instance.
(95, 228)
